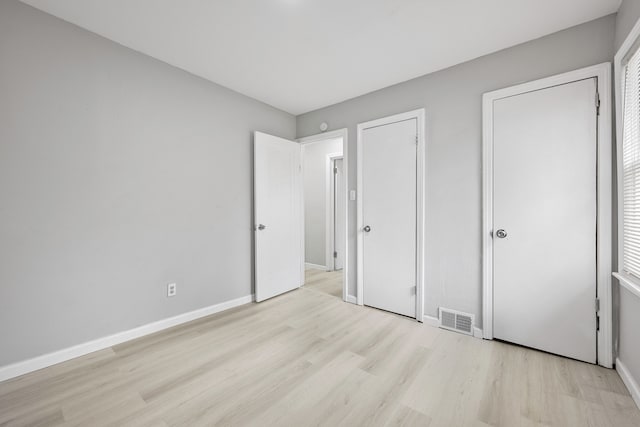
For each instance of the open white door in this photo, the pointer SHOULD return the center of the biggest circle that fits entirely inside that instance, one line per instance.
(278, 216)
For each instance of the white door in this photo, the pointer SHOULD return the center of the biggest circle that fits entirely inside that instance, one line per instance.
(389, 168)
(278, 215)
(544, 220)
(339, 213)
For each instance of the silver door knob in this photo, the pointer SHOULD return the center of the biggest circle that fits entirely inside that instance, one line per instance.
(261, 226)
(501, 234)
(366, 228)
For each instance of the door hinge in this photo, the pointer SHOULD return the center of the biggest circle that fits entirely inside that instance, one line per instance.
(597, 323)
(335, 170)
(597, 103)
(416, 138)
(597, 304)
(335, 254)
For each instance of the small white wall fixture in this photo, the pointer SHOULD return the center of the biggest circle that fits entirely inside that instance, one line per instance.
(340, 133)
(602, 72)
(420, 117)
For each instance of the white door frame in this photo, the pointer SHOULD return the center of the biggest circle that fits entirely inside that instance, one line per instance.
(330, 243)
(419, 115)
(603, 74)
(340, 133)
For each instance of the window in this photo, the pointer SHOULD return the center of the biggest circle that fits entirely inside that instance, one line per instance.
(631, 164)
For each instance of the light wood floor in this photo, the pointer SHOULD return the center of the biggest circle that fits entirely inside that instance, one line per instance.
(307, 358)
(328, 282)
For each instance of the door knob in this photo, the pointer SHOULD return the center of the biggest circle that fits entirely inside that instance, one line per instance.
(366, 228)
(261, 226)
(501, 233)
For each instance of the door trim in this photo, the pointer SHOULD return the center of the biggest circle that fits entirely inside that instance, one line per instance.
(602, 72)
(330, 241)
(344, 134)
(419, 115)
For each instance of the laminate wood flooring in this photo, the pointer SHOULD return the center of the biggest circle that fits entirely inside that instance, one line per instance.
(328, 282)
(307, 358)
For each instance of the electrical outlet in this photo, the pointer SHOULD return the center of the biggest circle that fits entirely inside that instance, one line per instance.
(172, 289)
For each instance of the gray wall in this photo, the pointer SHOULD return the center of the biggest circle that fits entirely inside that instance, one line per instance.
(629, 335)
(118, 175)
(627, 16)
(452, 99)
(315, 198)
(629, 304)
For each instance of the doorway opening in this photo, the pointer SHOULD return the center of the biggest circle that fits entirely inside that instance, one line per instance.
(324, 183)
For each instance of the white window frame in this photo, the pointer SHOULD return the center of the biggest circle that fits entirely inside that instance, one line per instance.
(603, 74)
(630, 283)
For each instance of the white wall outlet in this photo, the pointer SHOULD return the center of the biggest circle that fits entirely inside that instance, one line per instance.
(172, 289)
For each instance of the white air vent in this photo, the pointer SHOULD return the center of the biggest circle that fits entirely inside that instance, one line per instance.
(456, 320)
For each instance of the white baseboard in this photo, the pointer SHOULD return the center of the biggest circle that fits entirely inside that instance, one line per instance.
(477, 333)
(39, 362)
(308, 265)
(628, 380)
(351, 299)
(431, 321)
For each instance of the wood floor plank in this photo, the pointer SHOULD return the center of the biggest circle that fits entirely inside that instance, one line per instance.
(403, 416)
(308, 358)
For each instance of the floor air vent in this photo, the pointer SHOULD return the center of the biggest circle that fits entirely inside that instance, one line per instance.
(456, 321)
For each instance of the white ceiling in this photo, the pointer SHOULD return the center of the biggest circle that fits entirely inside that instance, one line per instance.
(300, 55)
